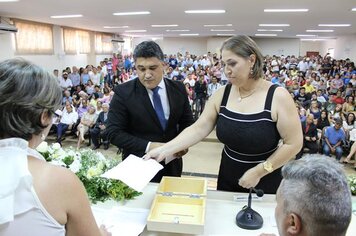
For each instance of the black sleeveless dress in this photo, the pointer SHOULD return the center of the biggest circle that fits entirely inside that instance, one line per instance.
(249, 138)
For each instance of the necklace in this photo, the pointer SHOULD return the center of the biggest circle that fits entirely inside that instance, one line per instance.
(239, 99)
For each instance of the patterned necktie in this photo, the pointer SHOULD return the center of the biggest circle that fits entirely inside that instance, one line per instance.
(158, 107)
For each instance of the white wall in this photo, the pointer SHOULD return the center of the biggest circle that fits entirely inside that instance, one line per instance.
(278, 46)
(214, 44)
(345, 47)
(197, 46)
(310, 46)
(58, 60)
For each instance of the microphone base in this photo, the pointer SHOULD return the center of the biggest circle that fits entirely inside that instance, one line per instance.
(249, 219)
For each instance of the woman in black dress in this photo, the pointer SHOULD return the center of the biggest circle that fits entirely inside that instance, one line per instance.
(257, 122)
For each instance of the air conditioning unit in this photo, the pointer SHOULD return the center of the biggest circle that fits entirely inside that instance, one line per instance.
(6, 28)
(117, 40)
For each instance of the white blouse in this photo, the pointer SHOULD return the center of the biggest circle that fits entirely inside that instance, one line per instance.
(21, 212)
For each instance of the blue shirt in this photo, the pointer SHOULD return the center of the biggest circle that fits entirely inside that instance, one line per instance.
(334, 136)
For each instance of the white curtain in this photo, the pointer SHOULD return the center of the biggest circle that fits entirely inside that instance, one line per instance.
(103, 44)
(33, 37)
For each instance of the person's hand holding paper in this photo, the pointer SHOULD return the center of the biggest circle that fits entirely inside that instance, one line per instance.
(134, 171)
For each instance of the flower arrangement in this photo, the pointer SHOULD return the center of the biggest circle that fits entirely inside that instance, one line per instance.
(352, 183)
(88, 166)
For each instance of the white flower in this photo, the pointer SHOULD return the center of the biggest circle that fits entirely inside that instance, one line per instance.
(352, 188)
(100, 156)
(43, 147)
(100, 166)
(58, 163)
(75, 166)
(71, 153)
(56, 146)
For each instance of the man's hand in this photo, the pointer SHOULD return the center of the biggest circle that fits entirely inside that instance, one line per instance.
(313, 139)
(102, 127)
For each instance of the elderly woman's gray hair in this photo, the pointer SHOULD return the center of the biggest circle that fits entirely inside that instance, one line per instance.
(244, 47)
(316, 188)
(26, 92)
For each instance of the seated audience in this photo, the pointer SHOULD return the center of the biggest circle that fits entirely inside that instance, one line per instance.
(68, 119)
(87, 121)
(310, 136)
(313, 199)
(36, 197)
(99, 131)
(334, 136)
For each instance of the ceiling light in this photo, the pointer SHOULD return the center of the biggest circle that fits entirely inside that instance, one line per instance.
(135, 31)
(116, 27)
(334, 25)
(306, 35)
(322, 31)
(9, 0)
(313, 39)
(225, 34)
(225, 30)
(131, 13)
(188, 34)
(286, 10)
(217, 25)
(164, 25)
(353, 9)
(266, 35)
(66, 16)
(204, 11)
(182, 30)
(273, 25)
(270, 30)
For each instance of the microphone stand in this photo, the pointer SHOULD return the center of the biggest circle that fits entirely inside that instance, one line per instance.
(248, 218)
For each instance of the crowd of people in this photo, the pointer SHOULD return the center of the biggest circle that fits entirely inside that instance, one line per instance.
(322, 88)
(152, 116)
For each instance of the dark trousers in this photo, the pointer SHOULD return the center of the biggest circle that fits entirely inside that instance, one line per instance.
(311, 145)
(96, 134)
(61, 128)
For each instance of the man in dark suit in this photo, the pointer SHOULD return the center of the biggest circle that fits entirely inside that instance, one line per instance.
(310, 135)
(149, 110)
(99, 130)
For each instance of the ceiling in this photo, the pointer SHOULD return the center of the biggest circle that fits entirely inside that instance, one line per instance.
(244, 15)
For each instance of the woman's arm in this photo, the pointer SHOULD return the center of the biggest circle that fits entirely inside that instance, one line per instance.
(80, 219)
(194, 133)
(290, 130)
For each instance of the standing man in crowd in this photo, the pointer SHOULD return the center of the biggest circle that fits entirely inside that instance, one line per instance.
(150, 110)
(213, 86)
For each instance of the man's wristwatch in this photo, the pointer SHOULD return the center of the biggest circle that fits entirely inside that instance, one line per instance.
(268, 166)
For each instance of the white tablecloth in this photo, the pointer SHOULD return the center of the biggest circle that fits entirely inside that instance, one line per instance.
(221, 210)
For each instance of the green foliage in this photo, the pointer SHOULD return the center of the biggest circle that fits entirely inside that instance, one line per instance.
(89, 166)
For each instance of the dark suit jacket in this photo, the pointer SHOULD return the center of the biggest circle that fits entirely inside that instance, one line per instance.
(100, 120)
(312, 132)
(132, 120)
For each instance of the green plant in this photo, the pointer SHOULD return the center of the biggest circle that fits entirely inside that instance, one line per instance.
(89, 166)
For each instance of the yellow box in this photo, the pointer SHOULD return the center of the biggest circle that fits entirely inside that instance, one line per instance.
(179, 206)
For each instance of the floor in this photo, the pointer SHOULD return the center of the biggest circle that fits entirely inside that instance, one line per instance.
(202, 160)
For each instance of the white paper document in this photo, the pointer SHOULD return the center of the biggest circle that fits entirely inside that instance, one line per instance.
(122, 220)
(134, 171)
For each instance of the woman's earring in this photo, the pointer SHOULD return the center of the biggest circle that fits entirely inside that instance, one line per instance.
(43, 137)
(251, 71)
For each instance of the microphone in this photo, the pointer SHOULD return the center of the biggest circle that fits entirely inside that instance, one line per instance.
(248, 218)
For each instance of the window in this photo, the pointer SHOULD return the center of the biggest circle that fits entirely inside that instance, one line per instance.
(33, 37)
(103, 44)
(76, 41)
